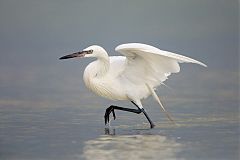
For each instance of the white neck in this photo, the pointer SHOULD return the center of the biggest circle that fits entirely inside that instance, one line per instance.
(94, 71)
(97, 69)
(102, 67)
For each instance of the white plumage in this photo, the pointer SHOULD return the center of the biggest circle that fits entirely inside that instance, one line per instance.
(133, 76)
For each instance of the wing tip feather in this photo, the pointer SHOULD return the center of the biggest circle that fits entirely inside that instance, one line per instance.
(125, 46)
(202, 64)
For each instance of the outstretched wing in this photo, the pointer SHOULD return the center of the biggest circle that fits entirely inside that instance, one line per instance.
(149, 65)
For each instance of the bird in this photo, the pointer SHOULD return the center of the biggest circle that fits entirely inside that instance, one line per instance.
(133, 76)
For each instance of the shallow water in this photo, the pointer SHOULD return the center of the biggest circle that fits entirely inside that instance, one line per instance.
(72, 133)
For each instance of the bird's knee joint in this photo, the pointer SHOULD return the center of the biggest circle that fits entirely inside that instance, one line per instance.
(139, 111)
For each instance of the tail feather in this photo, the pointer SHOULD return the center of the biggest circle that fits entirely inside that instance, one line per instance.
(159, 102)
(167, 87)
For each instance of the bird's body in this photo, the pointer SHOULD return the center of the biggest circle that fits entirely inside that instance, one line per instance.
(109, 81)
(133, 76)
(105, 81)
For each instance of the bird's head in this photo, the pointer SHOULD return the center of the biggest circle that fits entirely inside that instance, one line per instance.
(91, 51)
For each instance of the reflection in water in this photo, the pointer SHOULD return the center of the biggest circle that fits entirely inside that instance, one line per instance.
(109, 132)
(109, 147)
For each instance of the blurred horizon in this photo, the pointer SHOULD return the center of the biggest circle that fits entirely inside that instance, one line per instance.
(34, 34)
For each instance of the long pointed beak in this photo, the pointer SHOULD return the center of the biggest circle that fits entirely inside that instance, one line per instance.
(73, 55)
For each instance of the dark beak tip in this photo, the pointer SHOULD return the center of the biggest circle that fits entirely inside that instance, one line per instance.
(61, 58)
(73, 55)
(66, 57)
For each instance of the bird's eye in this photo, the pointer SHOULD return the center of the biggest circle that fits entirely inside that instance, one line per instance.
(90, 51)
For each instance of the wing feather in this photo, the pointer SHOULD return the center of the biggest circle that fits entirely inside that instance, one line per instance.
(147, 64)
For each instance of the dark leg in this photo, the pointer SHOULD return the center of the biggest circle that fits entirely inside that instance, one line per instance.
(146, 115)
(149, 120)
(137, 111)
(111, 109)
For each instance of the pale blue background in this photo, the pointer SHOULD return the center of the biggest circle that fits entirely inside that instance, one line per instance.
(38, 92)
(34, 34)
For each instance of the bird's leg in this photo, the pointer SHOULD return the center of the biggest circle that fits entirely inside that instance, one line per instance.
(146, 115)
(137, 111)
(111, 109)
(149, 120)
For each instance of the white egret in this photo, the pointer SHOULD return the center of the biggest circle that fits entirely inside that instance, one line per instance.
(133, 76)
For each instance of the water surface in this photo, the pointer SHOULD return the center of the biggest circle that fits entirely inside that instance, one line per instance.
(72, 133)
